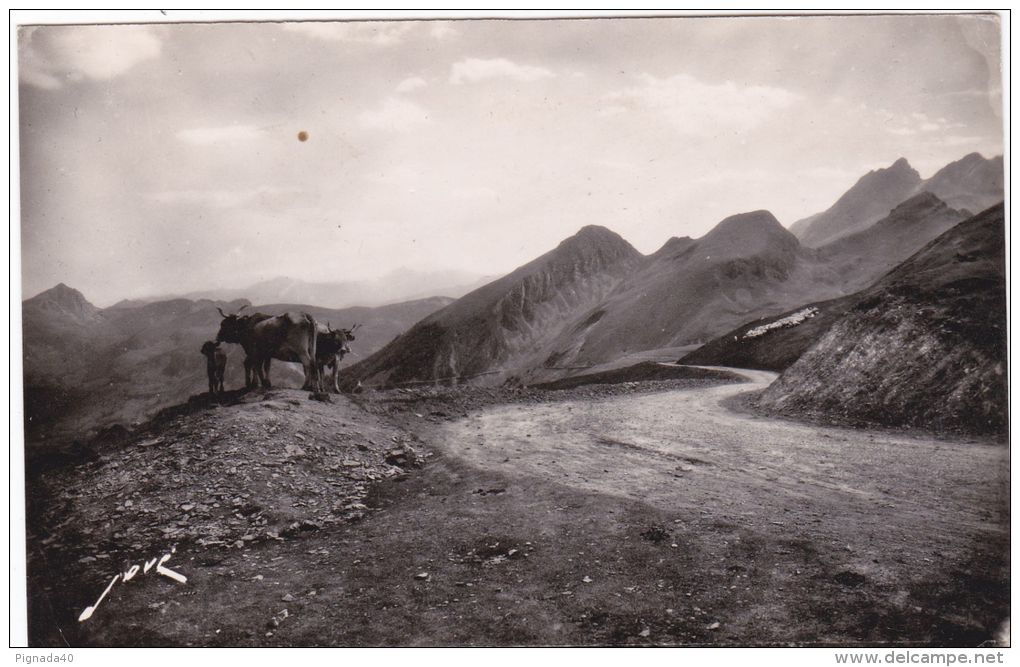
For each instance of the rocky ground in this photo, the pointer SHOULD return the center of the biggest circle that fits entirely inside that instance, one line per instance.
(468, 516)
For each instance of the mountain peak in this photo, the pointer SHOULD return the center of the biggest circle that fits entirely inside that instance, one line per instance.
(64, 299)
(596, 233)
(60, 293)
(868, 201)
(747, 224)
(972, 182)
(595, 239)
(747, 234)
(901, 164)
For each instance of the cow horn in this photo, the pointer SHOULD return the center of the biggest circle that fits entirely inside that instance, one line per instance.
(242, 308)
(222, 314)
(329, 327)
(355, 327)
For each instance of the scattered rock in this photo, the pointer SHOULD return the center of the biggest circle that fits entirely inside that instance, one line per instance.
(656, 534)
(405, 457)
(850, 579)
(714, 626)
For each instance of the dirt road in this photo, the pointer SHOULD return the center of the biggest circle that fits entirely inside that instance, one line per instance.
(889, 510)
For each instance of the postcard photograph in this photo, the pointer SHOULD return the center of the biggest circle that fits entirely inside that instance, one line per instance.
(537, 331)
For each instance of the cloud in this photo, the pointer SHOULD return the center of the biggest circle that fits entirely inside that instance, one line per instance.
(442, 30)
(472, 70)
(379, 33)
(396, 114)
(411, 84)
(205, 136)
(916, 123)
(52, 55)
(695, 107)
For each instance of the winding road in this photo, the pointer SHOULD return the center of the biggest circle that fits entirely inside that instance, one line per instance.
(877, 497)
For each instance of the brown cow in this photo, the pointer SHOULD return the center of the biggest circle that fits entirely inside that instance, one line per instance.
(332, 346)
(288, 337)
(215, 365)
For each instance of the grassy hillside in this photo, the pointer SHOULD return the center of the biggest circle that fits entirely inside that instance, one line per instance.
(924, 347)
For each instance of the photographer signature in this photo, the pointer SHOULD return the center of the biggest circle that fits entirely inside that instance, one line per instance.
(130, 574)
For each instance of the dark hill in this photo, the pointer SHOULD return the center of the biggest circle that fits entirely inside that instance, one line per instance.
(924, 347)
(502, 327)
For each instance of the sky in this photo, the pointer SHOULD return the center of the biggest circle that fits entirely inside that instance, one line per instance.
(161, 159)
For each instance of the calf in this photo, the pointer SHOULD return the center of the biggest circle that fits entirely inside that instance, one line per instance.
(215, 365)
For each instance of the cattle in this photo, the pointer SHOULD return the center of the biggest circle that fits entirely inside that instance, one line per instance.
(288, 337)
(332, 346)
(236, 325)
(215, 365)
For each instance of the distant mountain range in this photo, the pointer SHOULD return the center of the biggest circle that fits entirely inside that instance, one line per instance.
(86, 366)
(595, 299)
(972, 183)
(395, 287)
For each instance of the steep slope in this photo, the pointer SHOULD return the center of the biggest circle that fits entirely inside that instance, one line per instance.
(771, 343)
(972, 182)
(924, 347)
(503, 327)
(859, 257)
(747, 266)
(86, 367)
(869, 200)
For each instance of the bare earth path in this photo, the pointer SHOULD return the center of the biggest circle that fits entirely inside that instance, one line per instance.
(882, 506)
